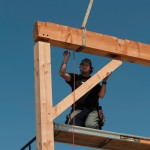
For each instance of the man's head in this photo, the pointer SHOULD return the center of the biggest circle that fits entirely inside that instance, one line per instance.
(86, 66)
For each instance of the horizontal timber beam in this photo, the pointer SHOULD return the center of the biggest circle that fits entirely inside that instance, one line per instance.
(96, 43)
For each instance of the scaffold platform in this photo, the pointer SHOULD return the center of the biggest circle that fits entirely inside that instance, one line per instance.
(99, 138)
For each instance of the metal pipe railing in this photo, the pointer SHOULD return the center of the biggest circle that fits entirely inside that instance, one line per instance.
(28, 144)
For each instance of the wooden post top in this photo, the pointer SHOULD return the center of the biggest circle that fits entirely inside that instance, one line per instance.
(96, 43)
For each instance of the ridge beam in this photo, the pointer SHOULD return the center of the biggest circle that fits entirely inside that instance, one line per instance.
(96, 43)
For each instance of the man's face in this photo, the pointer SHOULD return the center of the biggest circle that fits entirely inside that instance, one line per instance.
(85, 68)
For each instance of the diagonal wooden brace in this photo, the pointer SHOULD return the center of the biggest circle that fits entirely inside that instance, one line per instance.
(84, 88)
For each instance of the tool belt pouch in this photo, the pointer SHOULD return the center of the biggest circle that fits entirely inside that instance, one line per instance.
(101, 116)
(68, 118)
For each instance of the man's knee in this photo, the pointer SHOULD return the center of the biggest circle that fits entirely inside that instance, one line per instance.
(93, 125)
(92, 120)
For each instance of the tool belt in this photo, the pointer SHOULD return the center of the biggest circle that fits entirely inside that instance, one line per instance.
(86, 107)
(101, 116)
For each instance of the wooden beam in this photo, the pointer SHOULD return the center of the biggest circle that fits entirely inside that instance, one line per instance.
(84, 88)
(43, 95)
(96, 44)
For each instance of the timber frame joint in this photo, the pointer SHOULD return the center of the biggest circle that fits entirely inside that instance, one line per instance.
(50, 34)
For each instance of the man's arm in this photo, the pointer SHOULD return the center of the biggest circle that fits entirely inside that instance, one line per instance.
(63, 67)
(103, 88)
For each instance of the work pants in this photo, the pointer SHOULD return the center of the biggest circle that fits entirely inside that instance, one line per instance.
(84, 118)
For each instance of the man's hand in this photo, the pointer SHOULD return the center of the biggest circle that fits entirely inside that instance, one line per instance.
(66, 54)
(62, 71)
(107, 76)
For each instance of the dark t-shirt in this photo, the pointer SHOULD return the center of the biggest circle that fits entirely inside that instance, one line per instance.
(89, 99)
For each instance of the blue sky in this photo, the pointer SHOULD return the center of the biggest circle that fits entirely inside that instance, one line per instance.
(127, 101)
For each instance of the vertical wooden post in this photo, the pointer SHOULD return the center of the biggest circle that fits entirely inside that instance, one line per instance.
(43, 96)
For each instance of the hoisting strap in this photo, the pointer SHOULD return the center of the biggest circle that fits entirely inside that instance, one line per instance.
(83, 27)
(79, 50)
(83, 40)
(87, 14)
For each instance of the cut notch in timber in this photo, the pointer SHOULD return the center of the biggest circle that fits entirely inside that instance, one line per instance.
(96, 43)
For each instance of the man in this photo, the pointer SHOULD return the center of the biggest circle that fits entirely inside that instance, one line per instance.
(86, 112)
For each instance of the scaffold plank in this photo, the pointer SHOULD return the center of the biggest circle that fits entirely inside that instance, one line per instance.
(99, 139)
